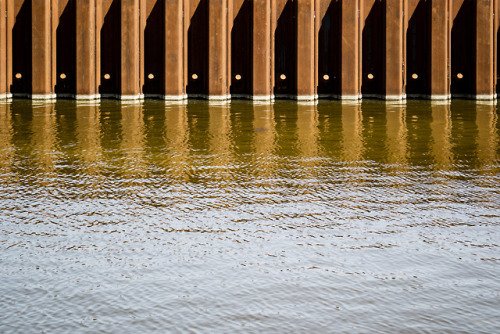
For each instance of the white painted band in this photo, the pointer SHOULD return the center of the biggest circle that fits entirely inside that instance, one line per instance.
(262, 97)
(398, 97)
(131, 97)
(349, 97)
(219, 97)
(175, 102)
(84, 97)
(43, 96)
(307, 102)
(306, 97)
(439, 97)
(433, 97)
(179, 97)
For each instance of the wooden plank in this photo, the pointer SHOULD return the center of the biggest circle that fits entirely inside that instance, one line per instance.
(130, 49)
(394, 50)
(485, 84)
(350, 50)
(440, 39)
(175, 87)
(85, 49)
(306, 89)
(42, 76)
(3, 49)
(218, 88)
(261, 51)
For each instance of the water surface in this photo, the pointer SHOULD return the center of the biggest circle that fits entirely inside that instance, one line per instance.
(240, 218)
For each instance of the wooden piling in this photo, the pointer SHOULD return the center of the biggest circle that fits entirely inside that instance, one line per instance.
(187, 19)
(175, 88)
(496, 24)
(130, 50)
(142, 46)
(9, 30)
(99, 22)
(350, 86)
(42, 53)
(86, 87)
(3, 49)
(306, 89)
(218, 88)
(393, 89)
(485, 86)
(261, 51)
(440, 49)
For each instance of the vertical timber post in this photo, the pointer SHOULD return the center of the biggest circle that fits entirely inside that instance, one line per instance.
(86, 49)
(9, 27)
(130, 50)
(405, 43)
(350, 50)
(217, 50)
(3, 49)
(99, 21)
(495, 47)
(142, 44)
(440, 47)
(272, 47)
(394, 50)
(42, 55)
(54, 23)
(175, 88)
(187, 21)
(229, 28)
(261, 51)
(306, 89)
(485, 87)
(317, 26)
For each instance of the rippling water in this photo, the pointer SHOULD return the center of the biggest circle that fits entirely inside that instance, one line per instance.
(364, 218)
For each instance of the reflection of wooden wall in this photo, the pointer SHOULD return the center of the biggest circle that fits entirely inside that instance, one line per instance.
(249, 48)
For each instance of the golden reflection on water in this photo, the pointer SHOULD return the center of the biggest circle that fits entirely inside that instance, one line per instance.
(440, 133)
(307, 137)
(330, 130)
(177, 141)
(220, 141)
(352, 127)
(264, 140)
(397, 134)
(88, 133)
(44, 136)
(200, 139)
(133, 139)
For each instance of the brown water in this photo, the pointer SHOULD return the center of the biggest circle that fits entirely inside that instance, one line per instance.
(241, 218)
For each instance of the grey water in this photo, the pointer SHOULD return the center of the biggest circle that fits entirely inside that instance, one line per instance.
(249, 218)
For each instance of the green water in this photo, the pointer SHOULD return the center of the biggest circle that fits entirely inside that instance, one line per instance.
(246, 217)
